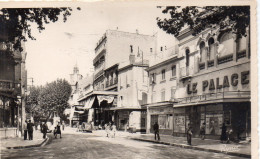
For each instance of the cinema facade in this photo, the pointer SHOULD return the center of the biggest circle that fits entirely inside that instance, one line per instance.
(214, 85)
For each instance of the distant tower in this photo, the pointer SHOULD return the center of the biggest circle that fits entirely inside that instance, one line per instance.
(75, 77)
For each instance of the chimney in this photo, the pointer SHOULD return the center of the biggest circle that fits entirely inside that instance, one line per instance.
(132, 58)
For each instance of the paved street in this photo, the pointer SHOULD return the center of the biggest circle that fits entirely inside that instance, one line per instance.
(91, 146)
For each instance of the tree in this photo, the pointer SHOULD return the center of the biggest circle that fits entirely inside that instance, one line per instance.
(16, 22)
(233, 18)
(54, 98)
(32, 102)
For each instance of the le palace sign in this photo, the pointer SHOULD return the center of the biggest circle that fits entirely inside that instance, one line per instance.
(213, 84)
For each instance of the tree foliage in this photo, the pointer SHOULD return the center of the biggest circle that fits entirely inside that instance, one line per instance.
(53, 97)
(235, 18)
(15, 23)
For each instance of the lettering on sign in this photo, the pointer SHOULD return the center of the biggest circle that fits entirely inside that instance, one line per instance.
(211, 85)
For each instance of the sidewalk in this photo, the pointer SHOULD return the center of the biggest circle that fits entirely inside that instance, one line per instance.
(19, 142)
(234, 149)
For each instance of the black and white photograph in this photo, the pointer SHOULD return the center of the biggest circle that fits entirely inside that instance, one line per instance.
(128, 80)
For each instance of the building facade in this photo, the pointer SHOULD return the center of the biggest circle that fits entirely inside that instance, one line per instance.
(12, 89)
(114, 51)
(163, 84)
(211, 86)
(214, 83)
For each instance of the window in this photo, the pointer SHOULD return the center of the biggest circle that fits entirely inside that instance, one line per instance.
(226, 44)
(211, 52)
(187, 52)
(174, 71)
(173, 90)
(241, 44)
(163, 95)
(131, 48)
(152, 78)
(151, 49)
(161, 48)
(163, 74)
(202, 51)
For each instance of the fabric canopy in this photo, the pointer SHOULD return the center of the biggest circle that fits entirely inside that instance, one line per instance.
(101, 98)
(89, 103)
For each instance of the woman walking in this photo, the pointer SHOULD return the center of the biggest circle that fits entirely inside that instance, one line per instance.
(189, 134)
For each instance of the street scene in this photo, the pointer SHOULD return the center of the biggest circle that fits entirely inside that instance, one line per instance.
(126, 80)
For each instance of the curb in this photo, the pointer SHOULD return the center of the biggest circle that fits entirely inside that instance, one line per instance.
(194, 148)
(30, 146)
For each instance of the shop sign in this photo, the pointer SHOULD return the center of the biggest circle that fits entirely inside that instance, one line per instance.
(214, 84)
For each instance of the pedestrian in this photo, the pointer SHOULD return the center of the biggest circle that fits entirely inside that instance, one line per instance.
(114, 130)
(189, 134)
(58, 131)
(44, 129)
(107, 128)
(156, 131)
(202, 131)
(223, 136)
(25, 130)
(30, 130)
(77, 126)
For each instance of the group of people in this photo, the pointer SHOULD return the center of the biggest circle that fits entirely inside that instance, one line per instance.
(28, 129)
(110, 130)
(225, 134)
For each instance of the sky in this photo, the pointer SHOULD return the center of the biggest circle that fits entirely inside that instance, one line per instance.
(63, 45)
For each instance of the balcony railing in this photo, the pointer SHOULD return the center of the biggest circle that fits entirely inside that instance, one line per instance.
(202, 66)
(210, 63)
(225, 58)
(7, 85)
(214, 96)
(241, 54)
(184, 72)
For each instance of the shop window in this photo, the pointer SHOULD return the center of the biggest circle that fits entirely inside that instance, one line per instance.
(174, 71)
(211, 52)
(179, 123)
(213, 123)
(163, 74)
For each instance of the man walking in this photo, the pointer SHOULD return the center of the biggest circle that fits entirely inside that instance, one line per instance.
(189, 134)
(30, 130)
(44, 130)
(25, 130)
(156, 131)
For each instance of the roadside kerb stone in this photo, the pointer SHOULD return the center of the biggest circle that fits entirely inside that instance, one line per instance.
(194, 147)
(43, 143)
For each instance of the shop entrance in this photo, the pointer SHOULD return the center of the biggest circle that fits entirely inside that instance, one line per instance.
(154, 119)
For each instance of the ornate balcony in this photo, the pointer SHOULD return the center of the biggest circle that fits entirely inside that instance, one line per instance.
(7, 86)
(202, 66)
(210, 63)
(241, 54)
(225, 59)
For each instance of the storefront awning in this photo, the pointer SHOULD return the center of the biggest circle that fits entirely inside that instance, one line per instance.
(211, 102)
(124, 108)
(107, 98)
(93, 93)
(89, 103)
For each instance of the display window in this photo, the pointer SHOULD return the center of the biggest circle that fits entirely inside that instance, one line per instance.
(179, 123)
(214, 123)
